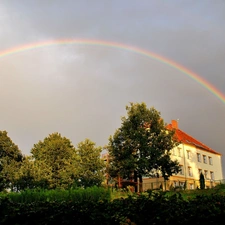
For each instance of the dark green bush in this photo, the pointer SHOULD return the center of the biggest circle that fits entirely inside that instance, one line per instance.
(147, 208)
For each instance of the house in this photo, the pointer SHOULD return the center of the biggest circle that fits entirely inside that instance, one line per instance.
(194, 158)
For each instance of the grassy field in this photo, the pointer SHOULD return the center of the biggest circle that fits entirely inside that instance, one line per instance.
(186, 194)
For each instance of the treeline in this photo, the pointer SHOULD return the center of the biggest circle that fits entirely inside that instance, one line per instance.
(53, 163)
(140, 147)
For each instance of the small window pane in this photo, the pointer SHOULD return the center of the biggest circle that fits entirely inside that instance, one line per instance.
(199, 157)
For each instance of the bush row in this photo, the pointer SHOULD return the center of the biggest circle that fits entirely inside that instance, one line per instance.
(58, 195)
(149, 208)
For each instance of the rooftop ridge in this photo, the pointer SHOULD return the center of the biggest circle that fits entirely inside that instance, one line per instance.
(188, 139)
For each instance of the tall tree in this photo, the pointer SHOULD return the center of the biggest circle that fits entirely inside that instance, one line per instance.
(56, 156)
(142, 145)
(202, 181)
(90, 164)
(10, 158)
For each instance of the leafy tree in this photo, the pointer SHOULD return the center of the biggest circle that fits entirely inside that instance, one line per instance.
(142, 145)
(202, 181)
(55, 161)
(90, 164)
(10, 158)
(32, 174)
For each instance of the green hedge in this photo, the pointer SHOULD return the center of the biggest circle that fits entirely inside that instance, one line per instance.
(149, 208)
(78, 195)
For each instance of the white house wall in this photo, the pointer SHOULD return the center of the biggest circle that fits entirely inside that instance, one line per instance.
(193, 163)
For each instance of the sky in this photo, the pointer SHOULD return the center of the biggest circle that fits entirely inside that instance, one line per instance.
(81, 90)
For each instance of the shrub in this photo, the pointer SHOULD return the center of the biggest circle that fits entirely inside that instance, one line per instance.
(202, 181)
(94, 207)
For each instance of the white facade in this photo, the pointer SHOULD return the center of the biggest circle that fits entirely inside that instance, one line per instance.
(193, 161)
(194, 157)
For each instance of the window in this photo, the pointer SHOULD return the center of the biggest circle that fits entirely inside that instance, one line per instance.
(211, 175)
(188, 154)
(210, 160)
(204, 159)
(191, 186)
(199, 171)
(182, 184)
(179, 152)
(199, 157)
(206, 174)
(181, 170)
(190, 174)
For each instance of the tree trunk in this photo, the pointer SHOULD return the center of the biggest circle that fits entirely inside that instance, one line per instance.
(135, 180)
(140, 184)
(119, 182)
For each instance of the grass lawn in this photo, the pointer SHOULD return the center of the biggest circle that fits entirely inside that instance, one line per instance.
(186, 194)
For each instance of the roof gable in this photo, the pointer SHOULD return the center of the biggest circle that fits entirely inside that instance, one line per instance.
(187, 139)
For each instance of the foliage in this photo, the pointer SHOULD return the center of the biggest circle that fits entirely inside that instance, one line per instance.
(142, 145)
(78, 195)
(10, 159)
(56, 164)
(146, 208)
(220, 186)
(119, 193)
(90, 166)
(55, 161)
(32, 174)
(202, 181)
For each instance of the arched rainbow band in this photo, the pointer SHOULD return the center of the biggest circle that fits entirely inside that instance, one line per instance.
(137, 50)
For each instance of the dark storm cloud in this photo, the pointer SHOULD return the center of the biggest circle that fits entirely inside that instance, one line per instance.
(81, 91)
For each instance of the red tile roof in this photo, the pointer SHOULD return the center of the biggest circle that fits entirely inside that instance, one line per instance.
(187, 139)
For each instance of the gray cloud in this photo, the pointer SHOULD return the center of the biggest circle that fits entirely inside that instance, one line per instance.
(81, 91)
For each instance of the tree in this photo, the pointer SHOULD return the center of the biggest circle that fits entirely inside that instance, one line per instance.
(90, 164)
(32, 174)
(202, 181)
(10, 158)
(142, 145)
(55, 160)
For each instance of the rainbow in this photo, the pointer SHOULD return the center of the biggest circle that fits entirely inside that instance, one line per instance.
(111, 44)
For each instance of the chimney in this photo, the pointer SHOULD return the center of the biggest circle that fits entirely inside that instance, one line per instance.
(174, 124)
